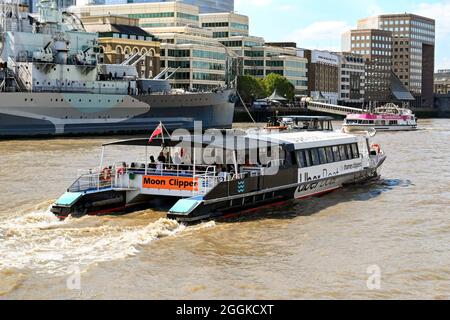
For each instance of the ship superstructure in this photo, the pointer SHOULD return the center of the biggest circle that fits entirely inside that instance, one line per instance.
(51, 82)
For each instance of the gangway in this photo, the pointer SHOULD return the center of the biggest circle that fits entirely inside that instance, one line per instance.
(331, 108)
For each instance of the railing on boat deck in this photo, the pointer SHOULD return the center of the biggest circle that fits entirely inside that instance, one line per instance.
(94, 179)
(207, 181)
(91, 180)
(207, 176)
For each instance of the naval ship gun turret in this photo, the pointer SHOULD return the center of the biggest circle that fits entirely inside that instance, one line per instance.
(44, 54)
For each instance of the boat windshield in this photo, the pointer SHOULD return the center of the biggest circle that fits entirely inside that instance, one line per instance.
(302, 123)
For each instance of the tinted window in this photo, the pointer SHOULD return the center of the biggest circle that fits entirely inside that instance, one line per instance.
(342, 153)
(308, 158)
(336, 154)
(329, 151)
(349, 151)
(301, 159)
(323, 156)
(293, 158)
(315, 157)
(355, 150)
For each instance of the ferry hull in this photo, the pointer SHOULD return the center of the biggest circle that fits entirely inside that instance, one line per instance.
(249, 202)
(359, 128)
(53, 114)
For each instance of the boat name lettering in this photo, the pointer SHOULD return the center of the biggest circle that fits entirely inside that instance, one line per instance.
(325, 174)
(170, 183)
(318, 184)
(352, 166)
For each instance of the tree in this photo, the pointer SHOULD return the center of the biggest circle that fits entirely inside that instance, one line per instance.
(251, 88)
(277, 82)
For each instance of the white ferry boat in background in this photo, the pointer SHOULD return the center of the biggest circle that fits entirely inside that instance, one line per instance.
(387, 118)
(250, 169)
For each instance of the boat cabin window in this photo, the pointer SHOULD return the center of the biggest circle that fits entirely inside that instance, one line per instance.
(315, 157)
(301, 159)
(343, 153)
(349, 151)
(323, 156)
(355, 150)
(320, 156)
(293, 158)
(336, 154)
(329, 152)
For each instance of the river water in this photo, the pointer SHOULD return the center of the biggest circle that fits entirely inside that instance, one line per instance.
(316, 248)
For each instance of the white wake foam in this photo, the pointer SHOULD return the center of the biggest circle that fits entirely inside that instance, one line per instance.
(38, 240)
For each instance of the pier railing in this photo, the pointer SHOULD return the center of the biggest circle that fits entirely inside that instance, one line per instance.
(331, 108)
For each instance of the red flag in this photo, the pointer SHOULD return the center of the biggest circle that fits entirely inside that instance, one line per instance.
(156, 133)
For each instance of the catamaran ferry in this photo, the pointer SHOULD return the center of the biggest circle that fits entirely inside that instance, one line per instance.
(387, 118)
(246, 170)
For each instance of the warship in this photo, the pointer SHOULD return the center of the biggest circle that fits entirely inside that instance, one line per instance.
(52, 83)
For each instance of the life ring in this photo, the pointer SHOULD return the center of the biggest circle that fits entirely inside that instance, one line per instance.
(277, 128)
(105, 175)
(376, 147)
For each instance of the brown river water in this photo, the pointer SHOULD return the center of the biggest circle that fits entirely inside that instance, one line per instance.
(317, 248)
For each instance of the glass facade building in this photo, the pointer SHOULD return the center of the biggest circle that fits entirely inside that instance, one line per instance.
(206, 6)
(413, 50)
(60, 3)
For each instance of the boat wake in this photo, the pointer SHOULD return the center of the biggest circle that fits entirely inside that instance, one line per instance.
(40, 242)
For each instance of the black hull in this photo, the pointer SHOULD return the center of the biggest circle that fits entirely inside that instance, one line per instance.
(248, 203)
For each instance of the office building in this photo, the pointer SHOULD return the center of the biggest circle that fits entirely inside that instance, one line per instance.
(375, 46)
(200, 60)
(205, 6)
(323, 75)
(225, 25)
(413, 51)
(202, 47)
(352, 79)
(61, 4)
(150, 15)
(256, 58)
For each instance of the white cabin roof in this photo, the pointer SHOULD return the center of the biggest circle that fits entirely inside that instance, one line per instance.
(308, 139)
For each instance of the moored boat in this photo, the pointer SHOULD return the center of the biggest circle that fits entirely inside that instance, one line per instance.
(53, 81)
(387, 118)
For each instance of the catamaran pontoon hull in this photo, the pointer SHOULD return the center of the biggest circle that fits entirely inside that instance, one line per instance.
(364, 128)
(252, 198)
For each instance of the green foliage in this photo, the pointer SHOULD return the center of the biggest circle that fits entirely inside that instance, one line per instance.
(251, 88)
(277, 82)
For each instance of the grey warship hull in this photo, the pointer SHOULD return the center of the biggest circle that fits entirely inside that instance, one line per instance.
(55, 114)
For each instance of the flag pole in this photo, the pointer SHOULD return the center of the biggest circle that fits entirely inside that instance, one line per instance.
(162, 129)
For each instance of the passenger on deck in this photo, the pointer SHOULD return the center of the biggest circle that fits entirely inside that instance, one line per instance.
(162, 158)
(169, 159)
(177, 159)
(152, 160)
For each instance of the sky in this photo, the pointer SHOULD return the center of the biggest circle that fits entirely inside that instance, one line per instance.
(318, 24)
